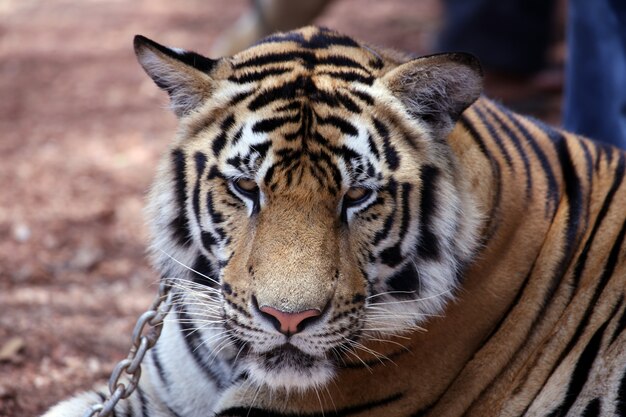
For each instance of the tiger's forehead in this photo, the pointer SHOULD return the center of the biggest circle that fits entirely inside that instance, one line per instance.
(294, 110)
(317, 51)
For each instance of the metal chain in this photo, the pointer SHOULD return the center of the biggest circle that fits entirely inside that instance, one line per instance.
(144, 337)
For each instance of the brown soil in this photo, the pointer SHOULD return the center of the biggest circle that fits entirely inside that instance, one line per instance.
(81, 129)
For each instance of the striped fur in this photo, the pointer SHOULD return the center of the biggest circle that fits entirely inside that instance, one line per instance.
(482, 273)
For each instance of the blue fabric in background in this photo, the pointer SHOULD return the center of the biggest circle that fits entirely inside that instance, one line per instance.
(595, 77)
(513, 36)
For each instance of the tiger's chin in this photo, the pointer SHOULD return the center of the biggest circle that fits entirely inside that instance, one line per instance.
(287, 367)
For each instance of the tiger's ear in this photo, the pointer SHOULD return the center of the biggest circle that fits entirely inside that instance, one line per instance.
(183, 74)
(437, 88)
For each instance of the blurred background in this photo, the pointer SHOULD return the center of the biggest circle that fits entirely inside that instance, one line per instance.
(81, 130)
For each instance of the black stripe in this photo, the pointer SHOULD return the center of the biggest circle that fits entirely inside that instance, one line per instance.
(129, 409)
(326, 38)
(392, 256)
(573, 188)
(575, 213)
(319, 176)
(604, 278)
(592, 409)
(269, 175)
(405, 281)
(220, 141)
(350, 76)
(376, 62)
(581, 372)
(621, 397)
(392, 189)
(335, 173)
(609, 152)
(271, 124)
(260, 150)
(336, 99)
(363, 96)
(352, 159)
(391, 155)
(320, 40)
(606, 205)
(174, 413)
(496, 173)
(340, 61)
(609, 268)
(180, 224)
(239, 97)
(621, 324)
(216, 216)
(599, 153)
(495, 136)
(347, 411)
(287, 90)
(305, 119)
(203, 268)
(236, 137)
(252, 76)
(306, 58)
(198, 349)
(467, 124)
(220, 232)
(553, 194)
(372, 146)
(429, 246)
(518, 146)
(344, 126)
(200, 159)
(294, 105)
(143, 402)
(154, 353)
(588, 159)
(208, 240)
(228, 122)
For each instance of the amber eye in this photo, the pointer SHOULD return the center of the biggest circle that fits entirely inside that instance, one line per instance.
(356, 195)
(247, 187)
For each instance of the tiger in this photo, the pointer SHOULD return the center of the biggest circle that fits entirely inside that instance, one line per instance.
(350, 231)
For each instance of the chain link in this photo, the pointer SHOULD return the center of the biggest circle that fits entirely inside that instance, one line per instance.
(144, 337)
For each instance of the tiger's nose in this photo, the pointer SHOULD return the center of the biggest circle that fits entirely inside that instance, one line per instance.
(289, 323)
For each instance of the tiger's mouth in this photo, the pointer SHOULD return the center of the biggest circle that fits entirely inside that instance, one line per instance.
(288, 355)
(288, 367)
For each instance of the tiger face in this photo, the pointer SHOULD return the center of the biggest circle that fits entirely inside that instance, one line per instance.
(310, 199)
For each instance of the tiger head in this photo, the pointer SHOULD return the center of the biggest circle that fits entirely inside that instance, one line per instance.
(310, 200)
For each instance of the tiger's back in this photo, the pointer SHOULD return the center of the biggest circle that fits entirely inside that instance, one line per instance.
(346, 237)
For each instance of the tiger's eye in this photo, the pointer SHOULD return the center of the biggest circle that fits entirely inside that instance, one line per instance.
(246, 185)
(355, 195)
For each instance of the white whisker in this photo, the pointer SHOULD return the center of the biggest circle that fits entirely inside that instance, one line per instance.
(187, 267)
(380, 294)
(417, 300)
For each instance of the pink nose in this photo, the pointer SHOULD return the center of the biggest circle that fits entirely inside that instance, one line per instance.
(290, 322)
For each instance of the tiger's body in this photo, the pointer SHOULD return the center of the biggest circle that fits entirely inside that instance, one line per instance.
(345, 236)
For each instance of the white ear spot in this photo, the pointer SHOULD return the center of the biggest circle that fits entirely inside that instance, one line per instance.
(182, 74)
(179, 51)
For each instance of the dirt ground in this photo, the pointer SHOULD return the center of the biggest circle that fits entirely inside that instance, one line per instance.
(81, 129)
